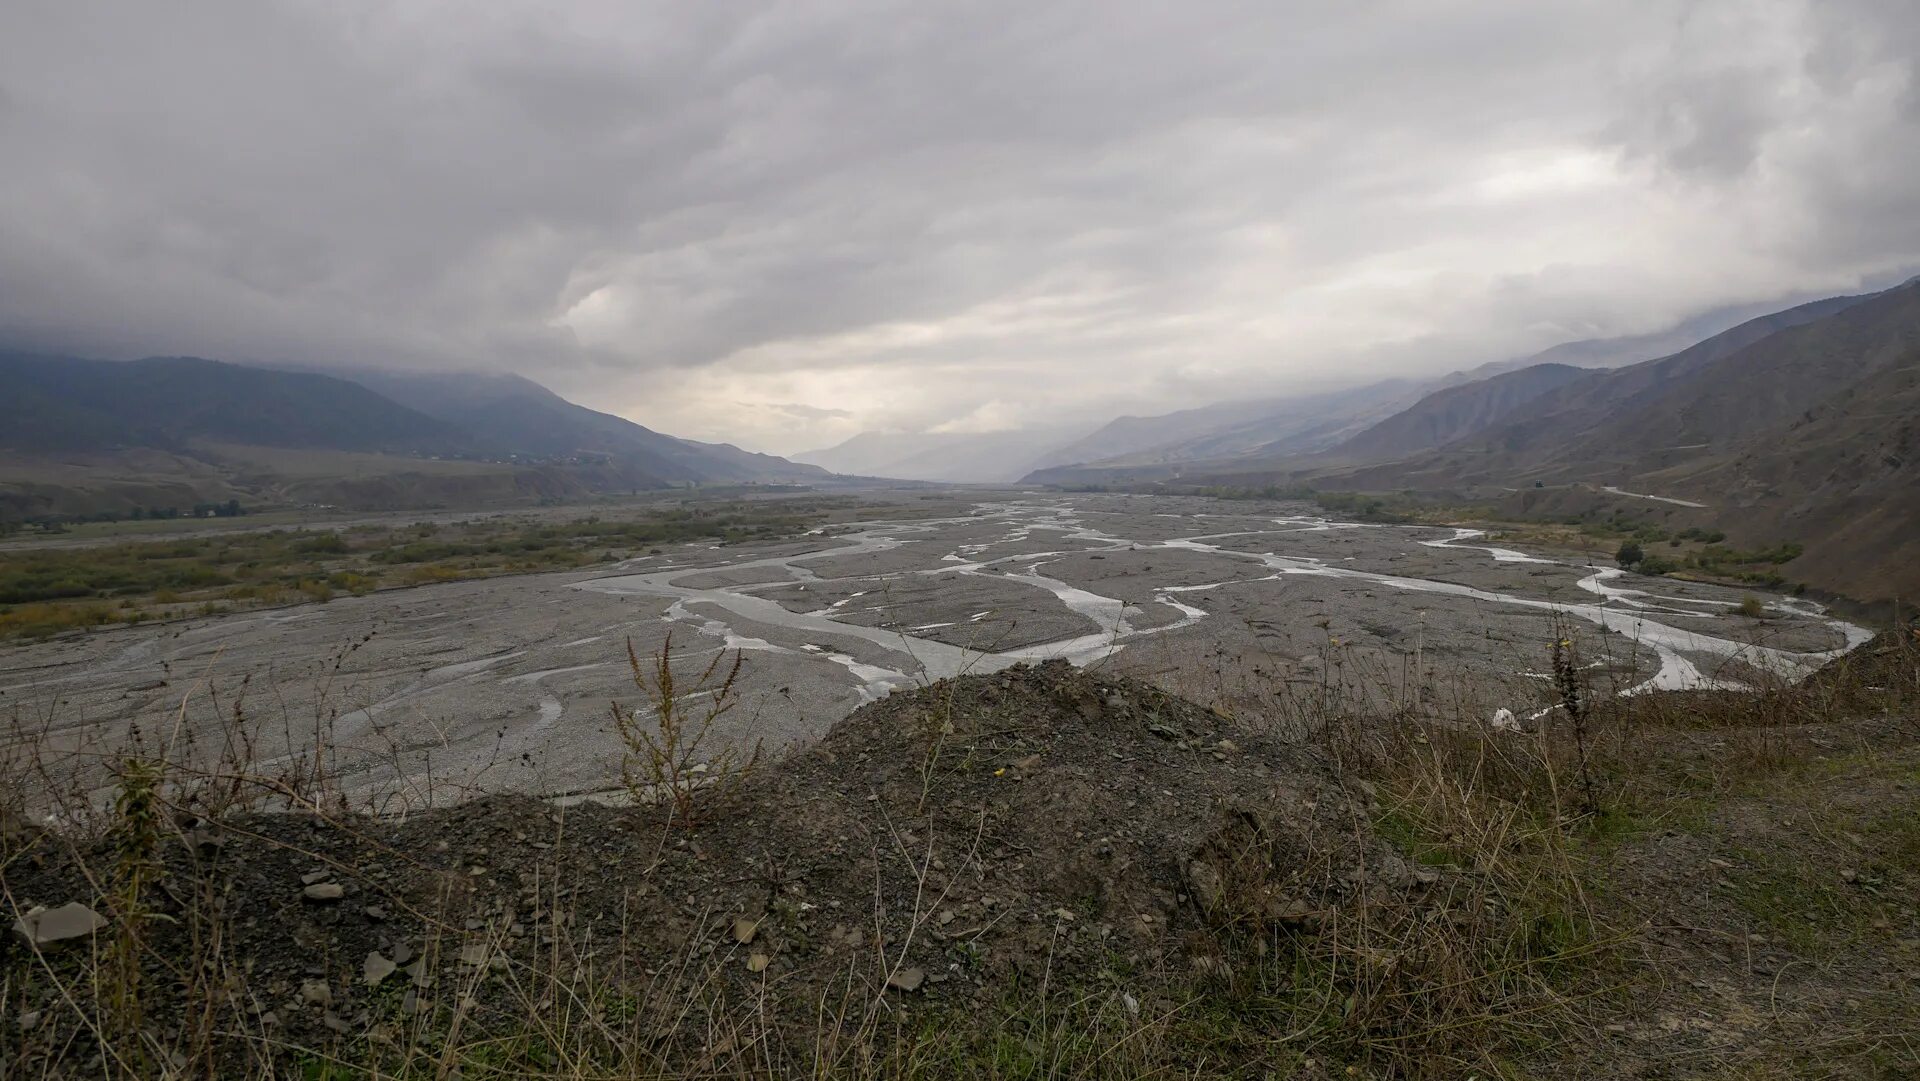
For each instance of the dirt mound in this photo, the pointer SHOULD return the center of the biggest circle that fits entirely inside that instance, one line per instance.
(934, 845)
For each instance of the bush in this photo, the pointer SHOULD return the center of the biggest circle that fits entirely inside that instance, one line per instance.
(1630, 554)
(325, 544)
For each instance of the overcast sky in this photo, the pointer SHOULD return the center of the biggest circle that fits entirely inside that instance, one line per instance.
(781, 223)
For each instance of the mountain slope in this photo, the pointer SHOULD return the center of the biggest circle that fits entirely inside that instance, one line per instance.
(1800, 427)
(1815, 439)
(1762, 387)
(516, 416)
(1567, 431)
(1448, 414)
(1302, 424)
(1282, 425)
(1129, 435)
(82, 437)
(70, 404)
(1840, 479)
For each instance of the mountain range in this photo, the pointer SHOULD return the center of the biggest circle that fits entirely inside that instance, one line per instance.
(959, 457)
(1797, 426)
(1136, 448)
(81, 436)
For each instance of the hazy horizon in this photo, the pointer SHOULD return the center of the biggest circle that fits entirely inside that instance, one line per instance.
(783, 225)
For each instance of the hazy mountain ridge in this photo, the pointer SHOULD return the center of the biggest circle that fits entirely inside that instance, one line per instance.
(522, 417)
(1132, 449)
(960, 457)
(86, 436)
(1801, 425)
(70, 404)
(1450, 413)
(1569, 432)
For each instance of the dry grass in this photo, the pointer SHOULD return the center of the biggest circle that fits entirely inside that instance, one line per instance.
(1503, 946)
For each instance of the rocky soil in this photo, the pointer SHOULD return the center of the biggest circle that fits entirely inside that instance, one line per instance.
(935, 847)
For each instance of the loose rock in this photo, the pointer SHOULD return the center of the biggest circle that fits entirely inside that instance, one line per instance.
(376, 968)
(49, 926)
(316, 993)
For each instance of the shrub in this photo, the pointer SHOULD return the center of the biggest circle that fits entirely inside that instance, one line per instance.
(664, 756)
(1630, 554)
(324, 544)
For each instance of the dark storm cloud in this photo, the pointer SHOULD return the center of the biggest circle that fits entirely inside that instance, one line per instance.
(853, 214)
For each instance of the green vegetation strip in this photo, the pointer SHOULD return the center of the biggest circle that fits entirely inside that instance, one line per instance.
(47, 590)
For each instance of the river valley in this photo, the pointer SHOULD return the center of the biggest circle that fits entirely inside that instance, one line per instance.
(430, 694)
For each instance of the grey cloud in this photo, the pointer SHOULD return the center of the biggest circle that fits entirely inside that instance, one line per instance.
(803, 412)
(881, 214)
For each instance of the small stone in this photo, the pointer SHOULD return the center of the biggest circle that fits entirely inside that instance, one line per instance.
(376, 968)
(1849, 875)
(48, 926)
(316, 993)
(410, 1002)
(311, 877)
(324, 893)
(907, 979)
(1206, 885)
(334, 1023)
(30, 1020)
(270, 1019)
(376, 912)
(758, 962)
(475, 954)
(744, 929)
(402, 953)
